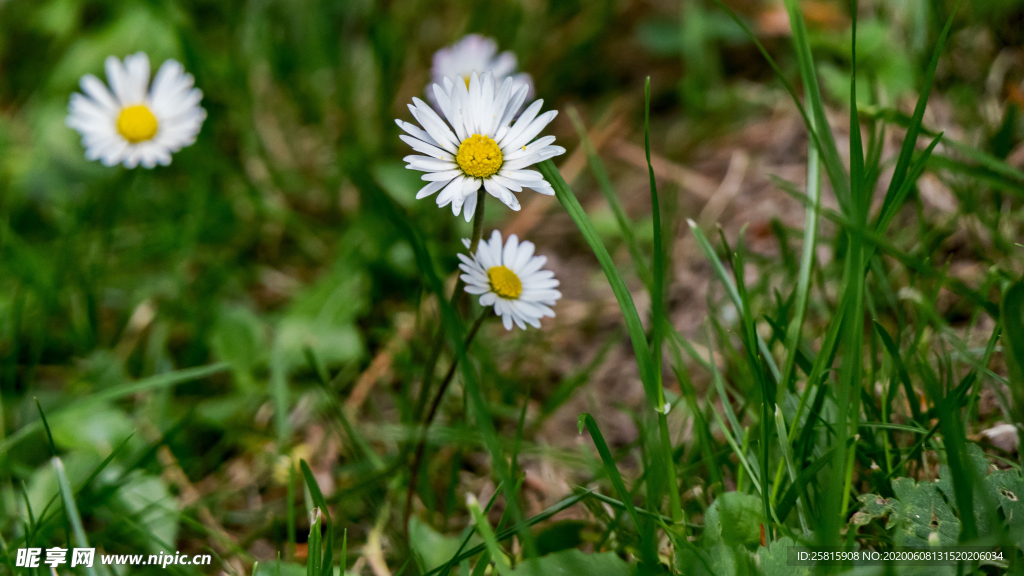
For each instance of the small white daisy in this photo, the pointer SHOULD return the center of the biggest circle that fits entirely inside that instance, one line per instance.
(510, 278)
(137, 123)
(478, 145)
(475, 53)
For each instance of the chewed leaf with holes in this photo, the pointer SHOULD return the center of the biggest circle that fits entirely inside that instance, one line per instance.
(921, 516)
(871, 506)
(1008, 487)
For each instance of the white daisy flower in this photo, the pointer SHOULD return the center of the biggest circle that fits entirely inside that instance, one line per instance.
(478, 145)
(137, 123)
(510, 278)
(475, 53)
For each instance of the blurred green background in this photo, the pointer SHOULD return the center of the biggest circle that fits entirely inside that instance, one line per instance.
(269, 237)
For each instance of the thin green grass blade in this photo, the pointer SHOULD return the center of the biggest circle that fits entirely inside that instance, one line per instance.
(289, 510)
(836, 177)
(891, 207)
(483, 527)
(902, 170)
(703, 430)
(829, 153)
(787, 456)
(467, 533)
(314, 544)
(514, 530)
(658, 322)
(796, 488)
(730, 289)
(901, 370)
(44, 518)
(318, 499)
(46, 427)
(1013, 176)
(846, 393)
(622, 506)
(955, 441)
(723, 396)
(752, 354)
(622, 294)
(861, 194)
(344, 551)
(803, 283)
(586, 420)
(68, 496)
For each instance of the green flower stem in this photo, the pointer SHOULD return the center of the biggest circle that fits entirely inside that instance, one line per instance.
(457, 295)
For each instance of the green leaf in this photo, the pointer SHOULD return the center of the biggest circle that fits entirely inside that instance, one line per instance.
(278, 568)
(147, 499)
(433, 548)
(871, 506)
(735, 520)
(575, 563)
(1008, 487)
(921, 514)
(979, 465)
(774, 560)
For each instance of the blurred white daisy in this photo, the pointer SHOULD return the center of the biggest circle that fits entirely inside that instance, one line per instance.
(510, 278)
(136, 123)
(478, 145)
(475, 53)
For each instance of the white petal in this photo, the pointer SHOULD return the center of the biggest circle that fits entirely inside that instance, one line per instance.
(431, 188)
(530, 131)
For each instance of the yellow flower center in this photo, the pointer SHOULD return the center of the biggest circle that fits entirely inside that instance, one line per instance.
(466, 79)
(137, 124)
(504, 282)
(479, 156)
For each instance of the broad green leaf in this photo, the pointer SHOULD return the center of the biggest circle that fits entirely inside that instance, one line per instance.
(1008, 488)
(433, 548)
(734, 519)
(575, 563)
(94, 428)
(774, 560)
(719, 559)
(980, 465)
(920, 513)
(239, 338)
(147, 499)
